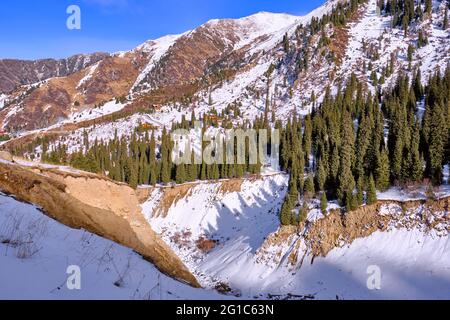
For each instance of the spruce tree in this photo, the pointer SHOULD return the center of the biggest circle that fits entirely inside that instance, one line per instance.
(415, 162)
(303, 213)
(321, 175)
(152, 161)
(382, 171)
(445, 22)
(371, 192)
(286, 211)
(180, 174)
(360, 191)
(309, 186)
(323, 203)
(345, 176)
(165, 158)
(133, 179)
(438, 139)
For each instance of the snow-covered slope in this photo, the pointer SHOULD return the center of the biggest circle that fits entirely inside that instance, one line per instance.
(156, 49)
(36, 251)
(255, 259)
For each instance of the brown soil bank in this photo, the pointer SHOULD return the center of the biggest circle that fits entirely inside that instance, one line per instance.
(336, 228)
(96, 204)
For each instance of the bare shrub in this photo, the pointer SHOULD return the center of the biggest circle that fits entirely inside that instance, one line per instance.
(205, 245)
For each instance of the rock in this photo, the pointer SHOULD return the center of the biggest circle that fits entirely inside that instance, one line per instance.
(5, 155)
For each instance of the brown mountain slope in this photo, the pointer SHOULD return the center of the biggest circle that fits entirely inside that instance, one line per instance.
(14, 73)
(57, 98)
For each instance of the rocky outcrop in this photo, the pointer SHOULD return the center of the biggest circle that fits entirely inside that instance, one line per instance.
(94, 203)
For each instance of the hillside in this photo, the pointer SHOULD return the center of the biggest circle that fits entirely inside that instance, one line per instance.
(355, 100)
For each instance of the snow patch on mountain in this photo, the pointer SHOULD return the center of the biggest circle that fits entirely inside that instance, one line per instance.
(89, 73)
(3, 98)
(89, 114)
(156, 49)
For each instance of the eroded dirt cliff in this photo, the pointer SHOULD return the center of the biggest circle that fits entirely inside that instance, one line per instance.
(339, 229)
(94, 203)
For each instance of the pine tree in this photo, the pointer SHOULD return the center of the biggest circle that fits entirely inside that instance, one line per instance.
(428, 6)
(371, 192)
(351, 202)
(303, 213)
(133, 179)
(323, 203)
(152, 161)
(180, 174)
(286, 43)
(165, 158)
(345, 177)
(286, 211)
(438, 136)
(415, 161)
(309, 186)
(321, 175)
(445, 22)
(382, 171)
(360, 191)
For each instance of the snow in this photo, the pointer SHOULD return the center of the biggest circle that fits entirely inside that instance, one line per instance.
(90, 72)
(157, 49)
(3, 98)
(413, 193)
(413, 265)
(264, 24)
(89, 114)
(35, 252)
(413, 260)
(238, 220)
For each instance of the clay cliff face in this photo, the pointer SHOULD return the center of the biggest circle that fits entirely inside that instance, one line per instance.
(14, 73)
(96, 204)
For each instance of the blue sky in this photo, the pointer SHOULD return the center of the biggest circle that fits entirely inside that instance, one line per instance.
(37, 29)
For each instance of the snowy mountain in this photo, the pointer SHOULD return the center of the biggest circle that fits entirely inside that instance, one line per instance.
(228, 61)
(223, 234)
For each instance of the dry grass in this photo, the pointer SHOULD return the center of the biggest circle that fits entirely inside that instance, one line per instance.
(205, 245)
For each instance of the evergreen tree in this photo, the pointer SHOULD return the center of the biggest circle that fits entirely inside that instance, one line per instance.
(323, 203)
(445, 22)
(438, 139)
(428, 6)
(286, 43)
(345, 177)
(309, 185)
(180, 174)
(415, 161)
(152, 161)
(303, 213)
(382, 171)
(286, 211)
(360, 191)
(371, 191)
(321, 175)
